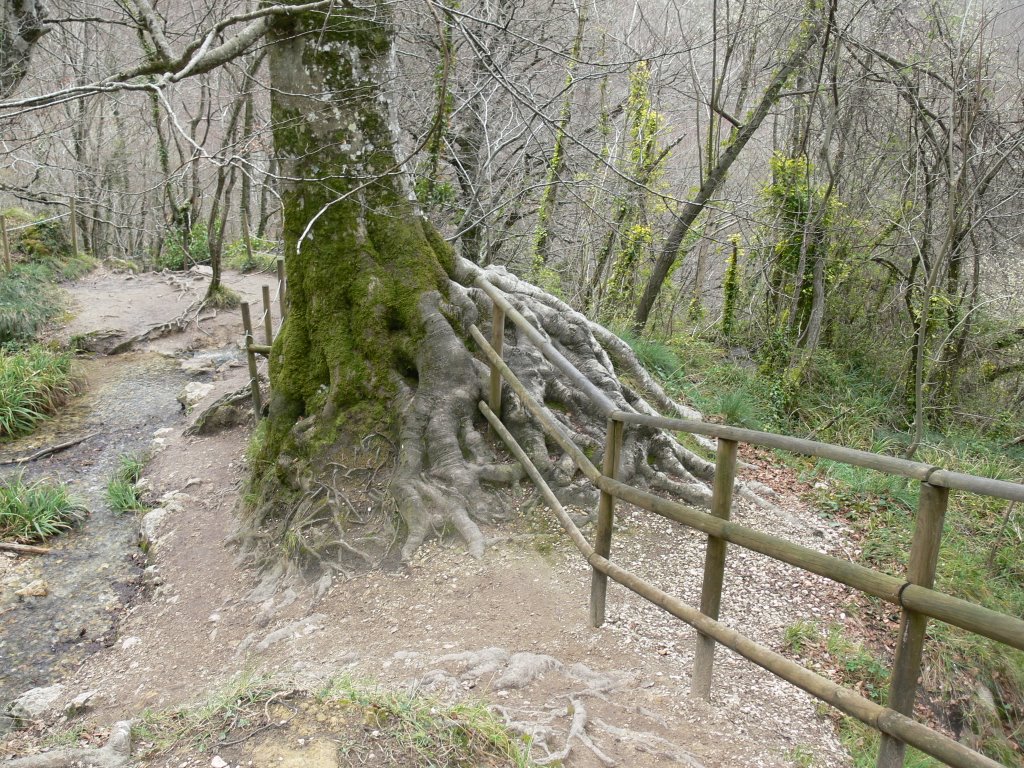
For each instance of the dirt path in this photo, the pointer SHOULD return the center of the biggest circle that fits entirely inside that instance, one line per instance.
(511, 628)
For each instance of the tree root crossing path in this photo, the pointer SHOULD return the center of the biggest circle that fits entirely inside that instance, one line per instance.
(509, 629)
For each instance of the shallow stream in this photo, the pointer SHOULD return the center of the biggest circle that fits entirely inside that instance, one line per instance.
(92, 572)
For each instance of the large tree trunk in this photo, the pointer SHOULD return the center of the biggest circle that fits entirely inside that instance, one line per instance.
(21, 26)
(373, 351)
(364, 267)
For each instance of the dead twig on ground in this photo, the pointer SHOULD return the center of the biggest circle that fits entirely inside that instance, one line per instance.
(23, 549)
(43, 452)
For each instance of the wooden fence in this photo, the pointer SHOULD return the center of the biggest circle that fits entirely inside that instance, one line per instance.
(5, 242)
(913, 594)
(266, 320)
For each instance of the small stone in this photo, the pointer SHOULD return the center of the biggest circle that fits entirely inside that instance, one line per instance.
(193, 392)
(149, 529)
(36, 588)
(33, 703)
(218, 762)
(130, 642)
(198, 365)
(78, 704)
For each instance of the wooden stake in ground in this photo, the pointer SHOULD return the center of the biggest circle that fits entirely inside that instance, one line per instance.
(282, 299)
(714, 568)
(254, 377)
(5, 244)
(268, 320)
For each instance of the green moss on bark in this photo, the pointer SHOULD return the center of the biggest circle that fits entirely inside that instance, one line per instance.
(357, 274)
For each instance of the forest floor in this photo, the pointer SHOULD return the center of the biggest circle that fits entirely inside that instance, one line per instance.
(510, 630)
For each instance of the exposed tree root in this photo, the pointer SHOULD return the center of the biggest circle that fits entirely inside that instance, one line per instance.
(225, 411)
(578, 733)
(114, 754)
(177, 325)
(500, 670)
(443, 459)
(446, 467)
(650, 743)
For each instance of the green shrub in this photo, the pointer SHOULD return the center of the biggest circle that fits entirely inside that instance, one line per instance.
(33, 512)
(264, 255)
(33, 384)
(42, 240)
(173, 254)
(29, 298)
(27, 301)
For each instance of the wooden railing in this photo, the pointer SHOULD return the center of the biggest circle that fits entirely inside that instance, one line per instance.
(5, 242)
(914, 594)
(266, 319)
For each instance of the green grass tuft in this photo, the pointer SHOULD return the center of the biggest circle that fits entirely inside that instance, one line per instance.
(800, 636)
(465, 733)
(364, 720)
(740, 408)
(222, 298)
(33, 512)
(657, 357)
(34, 383)
(122, 489)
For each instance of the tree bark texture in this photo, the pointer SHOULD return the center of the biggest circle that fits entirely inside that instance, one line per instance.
(21, 26)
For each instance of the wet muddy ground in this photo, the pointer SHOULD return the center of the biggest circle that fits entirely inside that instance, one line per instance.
(92, 572)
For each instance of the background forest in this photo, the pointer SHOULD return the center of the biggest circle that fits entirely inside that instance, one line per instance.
(804, 217)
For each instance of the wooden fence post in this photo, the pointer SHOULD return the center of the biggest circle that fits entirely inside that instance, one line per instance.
(74, 226)
(714, 567)
(498, 342)
(605, 522)
(268, 321)
(254, 376)
(281, 301)
(924, 556)
(5, 243)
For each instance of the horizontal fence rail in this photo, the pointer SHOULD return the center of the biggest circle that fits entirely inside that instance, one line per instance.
(891, 465)
(914, 594)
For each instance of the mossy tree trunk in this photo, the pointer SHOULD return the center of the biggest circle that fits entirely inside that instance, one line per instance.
(366, 347)
(373, 351)
(359, 254)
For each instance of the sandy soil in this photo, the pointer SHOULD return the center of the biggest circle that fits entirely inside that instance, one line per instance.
(511, 628)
